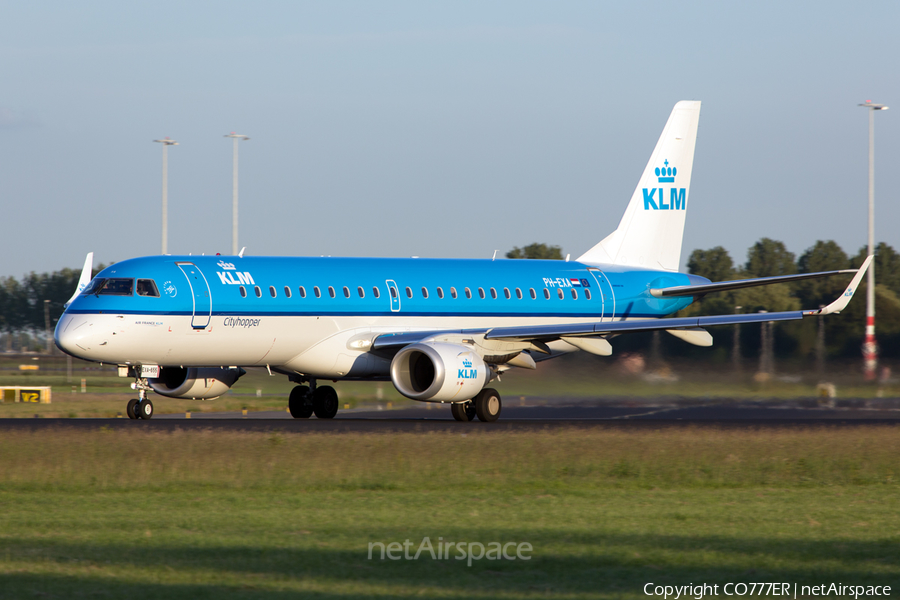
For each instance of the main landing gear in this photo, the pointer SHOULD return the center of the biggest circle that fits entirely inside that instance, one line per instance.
(485, 405)
(306, 400)
(140, 407)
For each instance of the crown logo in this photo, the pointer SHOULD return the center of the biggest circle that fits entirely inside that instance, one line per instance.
(467, 363)
(667, 173)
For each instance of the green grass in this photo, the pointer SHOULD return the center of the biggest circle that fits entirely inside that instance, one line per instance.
(198, 514)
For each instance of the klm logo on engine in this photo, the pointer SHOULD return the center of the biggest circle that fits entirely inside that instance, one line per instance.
(655, 198)
(467, 372)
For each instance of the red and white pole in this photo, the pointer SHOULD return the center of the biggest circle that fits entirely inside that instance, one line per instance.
(870, 346)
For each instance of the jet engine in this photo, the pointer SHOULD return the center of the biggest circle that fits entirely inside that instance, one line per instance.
(438, 372)
(195, 382)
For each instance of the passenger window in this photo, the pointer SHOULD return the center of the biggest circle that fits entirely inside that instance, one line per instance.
(440, 292)
(481, 293)
(561, 295)
(468, 293)
(506, 293)
(393, 293)
(546, 293)
(574, 294)
(360, 291)
(243, 292)
(408, 292)
(117, 287)
(493, 293)
(453, 293)
(258, 291)
(587, 294)
(331, 291)
(317, 292)
(346, 292)
(287, 291)
(272, 290)
(533, 294)
(375, 291)
(147, 287)
(302, 292)
(518, 293)
(424, 292)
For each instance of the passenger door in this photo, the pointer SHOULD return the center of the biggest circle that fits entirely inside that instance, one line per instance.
(200, 292)
(607, 297)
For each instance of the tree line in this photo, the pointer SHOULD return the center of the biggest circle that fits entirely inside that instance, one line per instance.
(793, 339)
(22, 301)
(23, 309)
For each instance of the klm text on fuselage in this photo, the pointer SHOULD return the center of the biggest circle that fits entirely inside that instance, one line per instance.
(655, 199)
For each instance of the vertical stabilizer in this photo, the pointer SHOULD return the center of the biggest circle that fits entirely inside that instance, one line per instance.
(650, 232)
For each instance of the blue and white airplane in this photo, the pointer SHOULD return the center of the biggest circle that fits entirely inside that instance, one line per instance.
(440, 330)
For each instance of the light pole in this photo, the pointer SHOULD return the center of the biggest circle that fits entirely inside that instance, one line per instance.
(166, 142)
(234, 193)
(870, 348)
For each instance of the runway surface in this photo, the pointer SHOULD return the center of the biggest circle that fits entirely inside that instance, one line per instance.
(557, 414)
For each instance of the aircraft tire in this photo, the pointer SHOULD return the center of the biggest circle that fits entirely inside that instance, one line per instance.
(325, 402)
(487, 405)
(464, 411)
(298, 402)
(129, 409)
(144, 409)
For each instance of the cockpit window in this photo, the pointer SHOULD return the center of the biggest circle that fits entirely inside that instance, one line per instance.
(117, 286)
(147, 287)
(93, 286)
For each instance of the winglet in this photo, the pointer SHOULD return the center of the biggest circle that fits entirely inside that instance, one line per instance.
(841, 303)
(85, 277)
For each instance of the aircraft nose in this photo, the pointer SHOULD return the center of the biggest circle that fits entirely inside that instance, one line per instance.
(73, 335)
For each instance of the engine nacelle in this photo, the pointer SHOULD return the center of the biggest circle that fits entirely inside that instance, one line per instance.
(195, 382)
(438, 372)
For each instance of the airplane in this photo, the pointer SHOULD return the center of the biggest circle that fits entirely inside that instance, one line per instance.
(439, 329)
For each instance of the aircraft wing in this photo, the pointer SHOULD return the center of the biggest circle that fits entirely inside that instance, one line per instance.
(550, 332)
(721, 286)
(540, 334)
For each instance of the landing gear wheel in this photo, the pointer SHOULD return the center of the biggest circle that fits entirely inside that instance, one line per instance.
(325, 402)
(144, 409)
(487, 405)
(464, 411)
(299, 404)
(129, 409)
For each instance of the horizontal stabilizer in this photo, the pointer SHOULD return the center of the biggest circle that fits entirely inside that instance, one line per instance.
(722, 286)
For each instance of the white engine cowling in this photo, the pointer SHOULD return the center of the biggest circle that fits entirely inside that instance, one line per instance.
(195, 382)
(438, 372)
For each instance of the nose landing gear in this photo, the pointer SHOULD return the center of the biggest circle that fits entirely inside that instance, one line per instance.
(140, 407)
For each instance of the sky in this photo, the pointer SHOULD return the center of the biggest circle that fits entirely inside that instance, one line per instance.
(438, 129)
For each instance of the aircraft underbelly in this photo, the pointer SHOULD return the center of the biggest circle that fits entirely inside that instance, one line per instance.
(320, 346)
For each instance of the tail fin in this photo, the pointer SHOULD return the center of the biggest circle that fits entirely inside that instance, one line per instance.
(650, 232)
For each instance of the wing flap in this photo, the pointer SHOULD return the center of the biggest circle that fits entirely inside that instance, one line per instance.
(548, 332)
